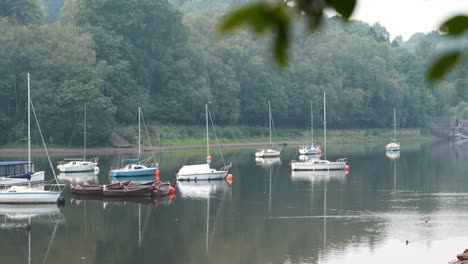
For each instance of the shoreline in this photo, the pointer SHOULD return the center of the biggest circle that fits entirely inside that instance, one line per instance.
(131, 150)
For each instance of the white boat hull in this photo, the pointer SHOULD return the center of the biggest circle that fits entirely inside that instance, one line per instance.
(36, 177)
(77, 167)
(200, 172)
(29, 197)
(267, 153)
(317, 165)
(393, 147)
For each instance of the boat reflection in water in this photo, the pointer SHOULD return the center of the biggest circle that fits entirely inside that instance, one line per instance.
(393, 154)
(78, 177)
(205, 190)
(267, 161)
(201, 189)
(319, 176)
(123, 201)
(25, 216)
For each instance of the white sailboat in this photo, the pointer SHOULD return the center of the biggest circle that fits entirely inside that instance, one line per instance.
(28, 194)
(136, 169)
(268, 152)
(311, 149)
(393, 146)
(77, 164)
(203, 171)
(320, 164)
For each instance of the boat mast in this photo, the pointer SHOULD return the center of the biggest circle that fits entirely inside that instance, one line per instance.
(269, 120)
(139, 133)
(394, 125)
(324, 126)
(311, 125)
(84, 147)
(207, 137)
(29, 123)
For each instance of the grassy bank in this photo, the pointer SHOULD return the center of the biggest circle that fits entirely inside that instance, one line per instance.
(168, 135)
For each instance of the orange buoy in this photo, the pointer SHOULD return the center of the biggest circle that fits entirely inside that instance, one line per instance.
(346, 167)
(156, 175)
(319, 152)
(172, 192)
(229, 178)
(208, 159)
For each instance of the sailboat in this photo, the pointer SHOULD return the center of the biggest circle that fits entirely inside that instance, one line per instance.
(393, 146)
(311, 149)
(268, 152)
(77, 164)
(136, 169)
(203, 171)
(320, 164)
(28, 194)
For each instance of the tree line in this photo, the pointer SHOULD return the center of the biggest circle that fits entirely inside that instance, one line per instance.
(118, 55)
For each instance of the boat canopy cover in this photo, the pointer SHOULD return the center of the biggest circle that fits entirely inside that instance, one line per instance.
(13, 163)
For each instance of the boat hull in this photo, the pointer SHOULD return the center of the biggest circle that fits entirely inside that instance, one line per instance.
(134, 191)
(217, 175)
(310, 166)
(267, 153)
(133, 173)
(36, 177)
(76, 168)
(29, 197)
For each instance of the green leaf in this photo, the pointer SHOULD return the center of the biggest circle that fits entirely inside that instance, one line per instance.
(442, 65)
(257, 15)
(343, 7)
(281, 45)
(455, 26)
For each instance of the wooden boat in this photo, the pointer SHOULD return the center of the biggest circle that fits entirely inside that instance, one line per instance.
(129, 191)
(161, 189)
(95, 189)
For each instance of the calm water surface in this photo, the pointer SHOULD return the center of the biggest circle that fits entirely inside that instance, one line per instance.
(267, 215)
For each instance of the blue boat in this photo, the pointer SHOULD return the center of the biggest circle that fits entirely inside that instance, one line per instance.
(135, 169)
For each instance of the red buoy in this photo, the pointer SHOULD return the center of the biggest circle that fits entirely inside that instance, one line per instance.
(319, 152)
(172, 192)
(156, 175)
(229, 178)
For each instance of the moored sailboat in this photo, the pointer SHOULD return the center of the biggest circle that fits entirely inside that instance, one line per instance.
(136, 169)
(393, 146)
(203, 171)
(320, 164)
(27, 193)
(311, 149)
(268, 152)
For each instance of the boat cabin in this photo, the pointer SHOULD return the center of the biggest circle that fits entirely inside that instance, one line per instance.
(14, 168)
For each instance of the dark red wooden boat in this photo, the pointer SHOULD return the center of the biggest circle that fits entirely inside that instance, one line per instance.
(161, 189)
(95, 189)
(129, 191)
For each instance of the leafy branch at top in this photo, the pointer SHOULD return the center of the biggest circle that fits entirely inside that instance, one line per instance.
(277, 16)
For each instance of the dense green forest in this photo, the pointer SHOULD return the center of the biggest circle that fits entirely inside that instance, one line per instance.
(166, 57)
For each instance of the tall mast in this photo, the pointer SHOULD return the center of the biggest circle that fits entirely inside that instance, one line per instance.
(29, 123)
(324, 125)
(311, 125)
(269, 120)
(84, 147)
(207, 137)
(139, 133)
(394, 125)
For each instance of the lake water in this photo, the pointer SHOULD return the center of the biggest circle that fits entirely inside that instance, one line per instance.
(413, 208)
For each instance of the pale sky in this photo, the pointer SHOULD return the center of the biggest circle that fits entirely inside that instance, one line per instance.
(406, 17)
